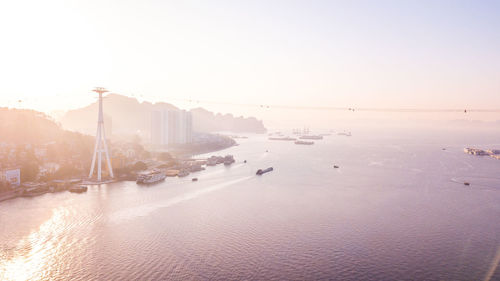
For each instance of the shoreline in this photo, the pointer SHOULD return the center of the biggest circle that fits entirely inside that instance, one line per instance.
(4, 196)
(9, 195)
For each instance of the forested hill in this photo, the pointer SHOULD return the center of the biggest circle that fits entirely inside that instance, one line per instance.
(23, 126)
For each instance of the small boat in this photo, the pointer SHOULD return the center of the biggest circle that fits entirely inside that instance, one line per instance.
(194, 179)
(34, 191)
(183, 173)
(335, 166)
(311, 137)
(345, 134)
(466, 183)
(214, 160)
(228, 160)
(283, 138)
(78, 189)
(261, 172)
(304, 142)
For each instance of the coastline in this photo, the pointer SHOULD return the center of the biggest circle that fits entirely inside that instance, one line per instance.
(8, 195)
(4, 196)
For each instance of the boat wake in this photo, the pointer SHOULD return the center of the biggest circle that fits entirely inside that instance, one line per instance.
(209, 174)
(142, 211)
(478, 181)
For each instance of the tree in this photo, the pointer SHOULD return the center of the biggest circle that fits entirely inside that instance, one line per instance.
(52, 154)
(66, 171)
(29, 171)
(146, 154)
(4, 186)
(140, 166)
(136, 139)
(164, 156)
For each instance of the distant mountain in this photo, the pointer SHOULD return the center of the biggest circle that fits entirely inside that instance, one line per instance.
(206, 121)
(126, 115)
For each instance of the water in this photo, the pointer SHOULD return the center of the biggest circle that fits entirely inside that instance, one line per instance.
(396, 209)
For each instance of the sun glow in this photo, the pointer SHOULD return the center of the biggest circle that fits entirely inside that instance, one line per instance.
(33, 257)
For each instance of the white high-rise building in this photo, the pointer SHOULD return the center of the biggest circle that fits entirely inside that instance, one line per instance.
(156, 128)
(171, 127)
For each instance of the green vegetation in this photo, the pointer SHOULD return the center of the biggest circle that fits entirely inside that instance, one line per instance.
(4, 186)
(29, 171)
(165, 156)
(139, 166)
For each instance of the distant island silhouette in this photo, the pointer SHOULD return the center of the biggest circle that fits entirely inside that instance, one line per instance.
(127, 115)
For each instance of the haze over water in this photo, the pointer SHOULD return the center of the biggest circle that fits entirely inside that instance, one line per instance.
(396, 209)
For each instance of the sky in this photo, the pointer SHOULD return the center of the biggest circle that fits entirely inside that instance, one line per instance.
(403, 54)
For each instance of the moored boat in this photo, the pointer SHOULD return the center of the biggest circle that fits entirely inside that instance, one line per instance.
(304, 142)
(228, 160)
(78, 188)
(183, 173)
(282, 138)
(311, 137)
(151, 177)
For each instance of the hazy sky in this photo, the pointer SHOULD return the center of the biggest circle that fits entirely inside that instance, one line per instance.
(330, 53)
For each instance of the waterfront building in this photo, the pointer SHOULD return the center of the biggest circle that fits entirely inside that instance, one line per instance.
(11, 175)
(493, 151)
(48, 168)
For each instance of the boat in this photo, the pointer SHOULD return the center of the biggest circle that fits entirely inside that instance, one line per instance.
(466, 183)
(151, 177)
(171, 173)
(228, 160)
(311, 137)
(214, 160)
(34, 191)
(282, 138)
(261, 172)
(78, 188)
(304, 142)
(196, 168)
(335, 166)
(220, 159)
(345, 134)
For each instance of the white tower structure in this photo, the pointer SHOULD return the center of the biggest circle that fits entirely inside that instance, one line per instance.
(100, 141)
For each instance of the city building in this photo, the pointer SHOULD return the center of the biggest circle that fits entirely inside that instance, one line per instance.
(11, 175)
(171, 127)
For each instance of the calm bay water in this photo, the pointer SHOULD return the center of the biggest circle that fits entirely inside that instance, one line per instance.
(396, 209)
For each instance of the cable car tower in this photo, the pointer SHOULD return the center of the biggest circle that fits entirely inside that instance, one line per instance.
(100, 141)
